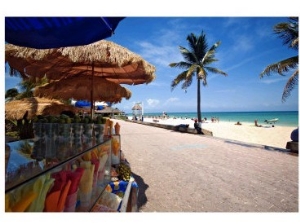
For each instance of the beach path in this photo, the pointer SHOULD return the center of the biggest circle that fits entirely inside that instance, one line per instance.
(181, 172)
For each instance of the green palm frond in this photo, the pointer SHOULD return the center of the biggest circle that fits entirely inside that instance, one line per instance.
(203, 75)
(198, 47)
(11, 94)
(187, 55)
(191, 71)
(213, 49)
(192, 40)
(188, 81)
(291, 83)
(181, 77)
(182, 64)
(295, 42)
(209, 56)
(288, 31)
(201, 48)
(281, 66)
(216, 71)
(183, 50)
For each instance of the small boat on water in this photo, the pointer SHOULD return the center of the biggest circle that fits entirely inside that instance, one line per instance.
(271, 121)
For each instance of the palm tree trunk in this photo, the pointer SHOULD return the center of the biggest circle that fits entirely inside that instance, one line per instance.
(199, 105)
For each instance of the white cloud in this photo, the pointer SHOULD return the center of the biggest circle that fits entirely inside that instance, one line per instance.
(158, 84)
(160, 54)
(172, 100)
(248, 59)
(268, 80)
(226, 91)
(231, 21)
(164, 49)
(243, 43)
(152, 102)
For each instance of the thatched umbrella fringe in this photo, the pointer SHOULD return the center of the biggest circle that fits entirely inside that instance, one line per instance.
(103, 54)
(102, 51)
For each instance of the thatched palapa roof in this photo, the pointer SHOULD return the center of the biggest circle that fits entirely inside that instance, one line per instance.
(109, 60)
(137, 107)
(79, 88)
(109, 110)
(16, 109)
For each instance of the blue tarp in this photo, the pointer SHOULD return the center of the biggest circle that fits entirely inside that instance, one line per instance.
(55, 32)
(82, 103)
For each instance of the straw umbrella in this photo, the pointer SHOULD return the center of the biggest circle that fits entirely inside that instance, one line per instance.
(101, 59)
(109, 110)
(16, 109)
(78, 88)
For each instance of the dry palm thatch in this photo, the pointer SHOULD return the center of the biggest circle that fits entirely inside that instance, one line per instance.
(137, 107)
(16, 109)
(109, 110)
(103, 58)
(80, 87)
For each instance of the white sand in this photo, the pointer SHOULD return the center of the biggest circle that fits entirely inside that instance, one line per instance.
(276, 136)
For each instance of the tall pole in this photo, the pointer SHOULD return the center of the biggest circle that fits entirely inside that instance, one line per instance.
(92, 93)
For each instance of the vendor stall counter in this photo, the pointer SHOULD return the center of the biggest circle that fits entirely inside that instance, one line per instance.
(66, 175)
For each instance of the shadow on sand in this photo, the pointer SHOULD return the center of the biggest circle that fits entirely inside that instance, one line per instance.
(142, 198)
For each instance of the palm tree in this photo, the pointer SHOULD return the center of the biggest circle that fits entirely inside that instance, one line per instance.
(11, 94)
(28, 85)
(288, 31)
(24, 125)
(196, 63)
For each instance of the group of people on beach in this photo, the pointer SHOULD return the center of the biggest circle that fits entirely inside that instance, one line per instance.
(204, 120)
(214, 119)
(166, 116)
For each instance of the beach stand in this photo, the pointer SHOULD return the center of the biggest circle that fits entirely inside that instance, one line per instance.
(137, 111)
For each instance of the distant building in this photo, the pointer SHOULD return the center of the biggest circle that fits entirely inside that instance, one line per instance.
(109, 111)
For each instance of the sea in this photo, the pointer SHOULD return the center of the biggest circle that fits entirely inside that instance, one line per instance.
(285, 118)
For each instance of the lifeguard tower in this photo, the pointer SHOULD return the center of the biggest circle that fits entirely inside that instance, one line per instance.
(137, 112)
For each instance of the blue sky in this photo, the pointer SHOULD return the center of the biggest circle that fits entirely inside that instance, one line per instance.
(248, 45)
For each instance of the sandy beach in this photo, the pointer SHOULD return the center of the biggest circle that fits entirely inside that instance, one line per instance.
(276, 136)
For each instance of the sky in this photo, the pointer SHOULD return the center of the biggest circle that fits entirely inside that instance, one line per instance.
(248, 45)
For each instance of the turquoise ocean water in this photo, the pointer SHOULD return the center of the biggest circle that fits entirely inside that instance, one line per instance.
(285, 118)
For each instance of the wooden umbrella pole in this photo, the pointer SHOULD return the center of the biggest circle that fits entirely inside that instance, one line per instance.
(92, 93)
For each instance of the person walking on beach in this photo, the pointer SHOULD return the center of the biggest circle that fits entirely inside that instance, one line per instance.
(197, 127)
